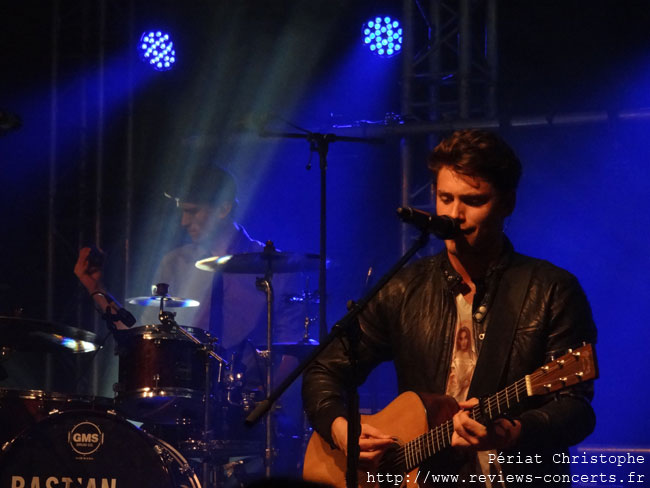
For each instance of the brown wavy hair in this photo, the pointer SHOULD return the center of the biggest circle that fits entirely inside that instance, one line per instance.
(478, 153)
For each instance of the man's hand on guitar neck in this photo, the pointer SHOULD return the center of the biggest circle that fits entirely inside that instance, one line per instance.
(502, 434)
(372, 442)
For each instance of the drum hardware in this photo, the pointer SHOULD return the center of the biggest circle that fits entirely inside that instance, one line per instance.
(264, 284)
(165, 371)
(234, 381)
(206, 352)
(300, 349)
(266, 263)
(306, 297)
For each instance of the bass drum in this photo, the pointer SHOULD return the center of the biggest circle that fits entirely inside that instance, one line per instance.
(86, 448)
(22, 408)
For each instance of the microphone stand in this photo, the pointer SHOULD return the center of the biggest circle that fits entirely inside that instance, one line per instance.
(319, 143)
(348, 327)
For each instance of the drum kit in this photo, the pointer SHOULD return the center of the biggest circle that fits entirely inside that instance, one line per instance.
(177, 416)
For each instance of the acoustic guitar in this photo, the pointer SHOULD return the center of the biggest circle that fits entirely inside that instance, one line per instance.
(409, 416)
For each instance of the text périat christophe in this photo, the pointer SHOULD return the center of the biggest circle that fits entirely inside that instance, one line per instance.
(563, 458)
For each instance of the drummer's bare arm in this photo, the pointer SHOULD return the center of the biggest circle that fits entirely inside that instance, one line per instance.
(90, 276)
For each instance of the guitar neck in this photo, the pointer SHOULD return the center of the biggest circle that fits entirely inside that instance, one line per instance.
(415, 452)
(324, 464)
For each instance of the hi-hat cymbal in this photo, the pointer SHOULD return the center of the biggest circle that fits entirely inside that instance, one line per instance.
(154, 301)
(24, 334)
(261, 262)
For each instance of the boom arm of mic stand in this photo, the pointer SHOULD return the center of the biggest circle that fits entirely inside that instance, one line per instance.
(341, 328)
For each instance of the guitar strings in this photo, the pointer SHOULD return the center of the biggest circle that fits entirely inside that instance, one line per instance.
(424, 445)
(415, 451)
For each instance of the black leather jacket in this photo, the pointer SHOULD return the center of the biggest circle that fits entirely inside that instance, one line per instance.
(412, 323)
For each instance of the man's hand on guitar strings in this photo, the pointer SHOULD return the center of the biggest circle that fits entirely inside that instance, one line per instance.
(502, 434)
(372, 442)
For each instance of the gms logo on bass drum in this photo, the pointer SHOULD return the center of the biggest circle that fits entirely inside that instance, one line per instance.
(85, 438)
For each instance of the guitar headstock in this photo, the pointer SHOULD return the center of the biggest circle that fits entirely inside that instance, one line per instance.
(576, 366)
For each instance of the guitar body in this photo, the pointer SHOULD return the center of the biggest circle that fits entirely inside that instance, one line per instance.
(421, 424)
(405, 418)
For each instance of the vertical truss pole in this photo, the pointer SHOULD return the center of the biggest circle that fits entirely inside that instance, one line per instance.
(435, 58)
(82, 209)
(99, 160)
(51, 200)
(492, 56)
(128, 217)
(408, 52)
(464, 59)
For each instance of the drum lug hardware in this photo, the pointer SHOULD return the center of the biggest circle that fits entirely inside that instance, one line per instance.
(165, 456)
(186, 469)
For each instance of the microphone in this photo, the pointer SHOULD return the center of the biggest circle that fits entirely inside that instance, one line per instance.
(441, 226)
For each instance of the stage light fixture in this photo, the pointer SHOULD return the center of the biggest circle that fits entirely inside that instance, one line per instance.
(383, 36)
(157, 50)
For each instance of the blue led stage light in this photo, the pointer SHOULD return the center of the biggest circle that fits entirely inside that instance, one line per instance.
(383, 36)
(157, 50)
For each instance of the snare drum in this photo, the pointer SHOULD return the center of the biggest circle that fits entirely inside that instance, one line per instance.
(161, 374)
(87, 448)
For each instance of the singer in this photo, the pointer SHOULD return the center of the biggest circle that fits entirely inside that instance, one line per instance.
(466, 323)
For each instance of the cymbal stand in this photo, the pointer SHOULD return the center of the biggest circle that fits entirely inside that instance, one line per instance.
(347, 327)
(264, 284)
(319, 143)
(168, 321)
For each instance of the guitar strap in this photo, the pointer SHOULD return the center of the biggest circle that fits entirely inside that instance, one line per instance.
(503, 319)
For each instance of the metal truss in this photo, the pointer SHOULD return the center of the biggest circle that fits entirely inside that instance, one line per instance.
(449, 68)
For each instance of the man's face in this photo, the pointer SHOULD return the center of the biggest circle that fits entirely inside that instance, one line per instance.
(476, 205)
(199, 220)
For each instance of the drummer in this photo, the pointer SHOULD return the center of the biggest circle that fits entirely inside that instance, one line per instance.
(231, 307)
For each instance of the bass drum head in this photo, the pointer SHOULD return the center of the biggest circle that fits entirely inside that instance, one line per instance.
(22, 408)
(85, 448)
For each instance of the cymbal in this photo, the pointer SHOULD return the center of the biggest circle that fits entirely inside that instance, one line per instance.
(154, 301)
(24, 334)
(261, 262)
